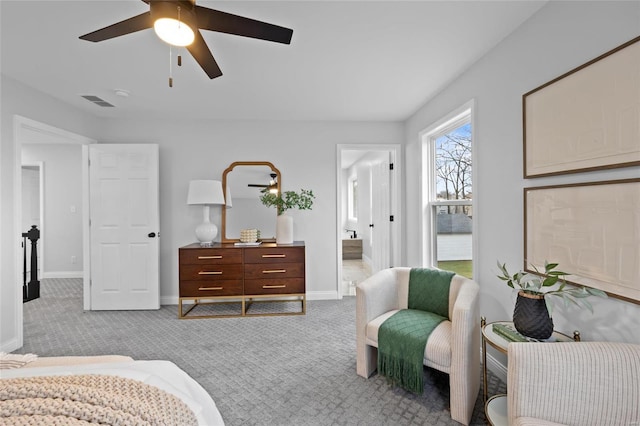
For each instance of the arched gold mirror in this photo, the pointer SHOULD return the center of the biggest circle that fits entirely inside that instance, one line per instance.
(243, 183)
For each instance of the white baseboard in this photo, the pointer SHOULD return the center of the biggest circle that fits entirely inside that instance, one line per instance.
(322, 295)
(168, 300)
(497, 368)
(9, 346)
(62, 274)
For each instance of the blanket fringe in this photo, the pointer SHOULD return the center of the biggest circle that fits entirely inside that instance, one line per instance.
(403, 373)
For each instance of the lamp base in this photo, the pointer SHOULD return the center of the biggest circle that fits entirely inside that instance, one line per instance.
(206, 232)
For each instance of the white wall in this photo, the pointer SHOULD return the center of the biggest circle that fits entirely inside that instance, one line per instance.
(304, 152)
(560, 37)
(61, 236)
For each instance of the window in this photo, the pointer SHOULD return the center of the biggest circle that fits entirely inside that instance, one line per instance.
(448, 194)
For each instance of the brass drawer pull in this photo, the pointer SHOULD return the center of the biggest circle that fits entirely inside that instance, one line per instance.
(274, 271)
(210, 273)
(210, 288)
(274, 286)
(209, 257)
(274, 255)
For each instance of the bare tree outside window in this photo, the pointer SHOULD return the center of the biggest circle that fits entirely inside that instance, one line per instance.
(453, 168)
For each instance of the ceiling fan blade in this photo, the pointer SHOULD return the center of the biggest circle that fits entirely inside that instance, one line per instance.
(201, 53)
(128, 26)
(256, 185)
(215, 20)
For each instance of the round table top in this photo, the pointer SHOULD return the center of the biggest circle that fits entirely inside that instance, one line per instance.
(500, 343)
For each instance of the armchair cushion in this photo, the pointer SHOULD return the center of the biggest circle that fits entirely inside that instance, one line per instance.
(437, 353)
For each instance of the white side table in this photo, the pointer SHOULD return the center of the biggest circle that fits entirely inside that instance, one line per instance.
(495, 408)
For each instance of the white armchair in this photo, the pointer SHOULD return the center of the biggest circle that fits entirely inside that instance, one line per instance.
(581, 384)
(453, 347)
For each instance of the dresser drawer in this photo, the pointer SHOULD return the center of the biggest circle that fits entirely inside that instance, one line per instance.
(274, 270)
(211, 288)
(270, 286)
(274, 255)
(210, 272)
(210, 256)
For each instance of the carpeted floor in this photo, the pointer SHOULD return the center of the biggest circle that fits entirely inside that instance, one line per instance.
(279, 370)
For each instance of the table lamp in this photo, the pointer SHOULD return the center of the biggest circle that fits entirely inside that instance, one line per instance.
(205, 193)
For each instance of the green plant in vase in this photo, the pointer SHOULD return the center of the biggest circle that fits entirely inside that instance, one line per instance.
(537, 292)
(302, 200)
(287, 200)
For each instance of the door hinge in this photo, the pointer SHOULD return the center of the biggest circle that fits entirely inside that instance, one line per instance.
(390, 166)
(391, 218)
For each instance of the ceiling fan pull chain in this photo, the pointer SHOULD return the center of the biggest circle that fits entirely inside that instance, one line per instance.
(179, 23)
(170, 68)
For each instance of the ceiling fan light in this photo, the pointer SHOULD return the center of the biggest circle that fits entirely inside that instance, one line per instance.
(174, 32)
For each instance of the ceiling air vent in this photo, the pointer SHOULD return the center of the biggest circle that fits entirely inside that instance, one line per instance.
(98, 101)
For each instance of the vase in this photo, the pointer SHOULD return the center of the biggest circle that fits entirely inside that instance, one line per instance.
(531, 317)
(284, 229)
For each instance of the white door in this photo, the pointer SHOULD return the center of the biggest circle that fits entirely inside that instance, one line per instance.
(124, 226)
(380, 212)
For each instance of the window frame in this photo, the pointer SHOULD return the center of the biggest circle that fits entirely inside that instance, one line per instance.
(429, 202)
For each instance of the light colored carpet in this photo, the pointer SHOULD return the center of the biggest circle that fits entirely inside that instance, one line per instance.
(279, 370)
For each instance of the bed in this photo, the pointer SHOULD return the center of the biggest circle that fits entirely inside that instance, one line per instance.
(26, 390)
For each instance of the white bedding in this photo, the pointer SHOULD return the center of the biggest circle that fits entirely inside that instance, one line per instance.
(162, 374)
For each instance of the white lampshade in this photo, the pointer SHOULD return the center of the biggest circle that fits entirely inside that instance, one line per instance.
(173, 23)
(205, 193)
(174, 32)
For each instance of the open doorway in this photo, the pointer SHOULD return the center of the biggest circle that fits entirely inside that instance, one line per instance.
(368, 212)
(32, 214)
(29, 132)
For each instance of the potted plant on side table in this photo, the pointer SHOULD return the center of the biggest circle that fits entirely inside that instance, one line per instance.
(302, 200)
(537, 291)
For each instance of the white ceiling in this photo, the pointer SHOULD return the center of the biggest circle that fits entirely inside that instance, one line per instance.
(348, 60)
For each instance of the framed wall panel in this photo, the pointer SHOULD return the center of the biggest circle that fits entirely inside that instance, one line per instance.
(587, 119)
(591, 229)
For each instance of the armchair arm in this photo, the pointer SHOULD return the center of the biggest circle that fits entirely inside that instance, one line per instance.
(574, 383)
(464, 374)
(374, 296)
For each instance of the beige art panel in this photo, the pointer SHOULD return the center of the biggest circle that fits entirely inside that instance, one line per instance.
(592, 230)
(586, 119)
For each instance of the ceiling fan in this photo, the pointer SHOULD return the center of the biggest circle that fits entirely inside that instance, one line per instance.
(178, 22)
(272, 186)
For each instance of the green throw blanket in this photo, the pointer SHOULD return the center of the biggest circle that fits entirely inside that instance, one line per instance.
(403, 336)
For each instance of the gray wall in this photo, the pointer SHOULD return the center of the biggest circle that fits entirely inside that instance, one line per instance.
(560, 37)
(304, 152)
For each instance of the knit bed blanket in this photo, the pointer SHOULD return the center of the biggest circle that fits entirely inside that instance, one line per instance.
(402, 338)
(85, 399)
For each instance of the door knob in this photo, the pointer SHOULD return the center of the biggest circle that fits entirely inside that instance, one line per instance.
(152, 235)
(371, 225)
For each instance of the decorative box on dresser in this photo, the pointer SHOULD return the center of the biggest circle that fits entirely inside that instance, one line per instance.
(241, 274)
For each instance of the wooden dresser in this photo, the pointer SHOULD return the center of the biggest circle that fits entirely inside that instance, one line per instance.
(241, 275)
